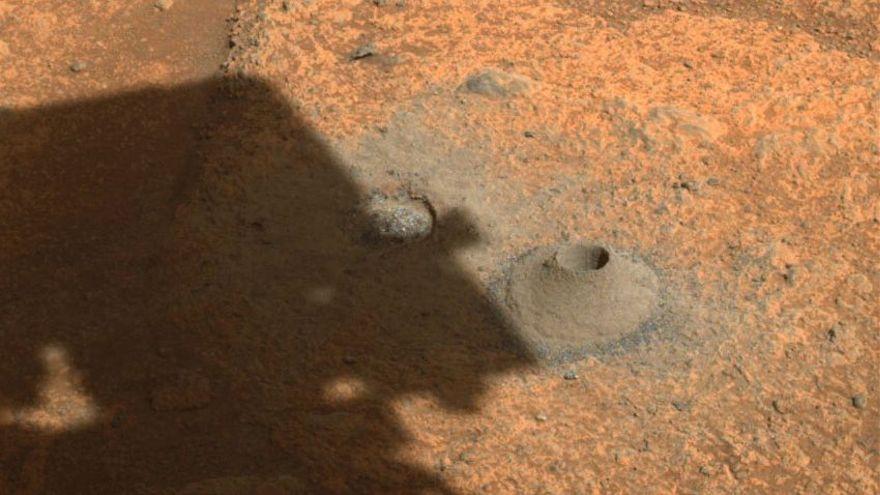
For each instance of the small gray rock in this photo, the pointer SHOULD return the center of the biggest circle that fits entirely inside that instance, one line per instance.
(540, 417)
(401, 220)
(163, 5)
(834, 332)
(687, 185)
(485, 84)
(570, 375)
(791, 274)
(78, 66)
(363, 51)
(859, 401)
(496, 84)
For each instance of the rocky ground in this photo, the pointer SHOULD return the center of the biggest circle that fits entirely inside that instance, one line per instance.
(264, 247)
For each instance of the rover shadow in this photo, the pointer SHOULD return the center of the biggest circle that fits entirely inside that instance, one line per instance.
(186, 306)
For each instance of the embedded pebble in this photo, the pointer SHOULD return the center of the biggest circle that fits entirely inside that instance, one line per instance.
(496, 84)
(77, 66)
(400, 220)
(363, 51)
(859, 401)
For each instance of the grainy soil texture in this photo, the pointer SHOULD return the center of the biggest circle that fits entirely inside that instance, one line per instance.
(275, 247)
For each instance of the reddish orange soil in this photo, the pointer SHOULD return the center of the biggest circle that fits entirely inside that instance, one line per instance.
(192, 301)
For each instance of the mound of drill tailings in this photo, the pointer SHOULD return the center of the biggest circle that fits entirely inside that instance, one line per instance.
(579, 298)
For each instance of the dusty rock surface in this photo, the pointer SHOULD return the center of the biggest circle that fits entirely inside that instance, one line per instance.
(185, 307)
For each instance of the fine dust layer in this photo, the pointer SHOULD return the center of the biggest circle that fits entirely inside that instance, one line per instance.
(572, 299)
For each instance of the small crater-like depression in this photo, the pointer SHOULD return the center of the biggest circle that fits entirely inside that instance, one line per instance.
(582, 258)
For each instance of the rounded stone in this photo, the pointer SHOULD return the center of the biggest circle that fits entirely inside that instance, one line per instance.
(402, 220)
(573, 299)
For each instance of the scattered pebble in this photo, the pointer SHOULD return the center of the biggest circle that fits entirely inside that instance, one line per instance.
(163, 5)
(77, 66)
(681, 405)
(529, 134)
(485, 84)
(570, 375)
(859, 401)
(834, 332)
(791, 274)
(496, 84)
(363, 51)
(540, 417)
(686, 184)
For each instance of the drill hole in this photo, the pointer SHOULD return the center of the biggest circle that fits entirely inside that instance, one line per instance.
(580, 258)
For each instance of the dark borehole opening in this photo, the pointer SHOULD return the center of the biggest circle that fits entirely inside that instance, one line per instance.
(581, 258)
